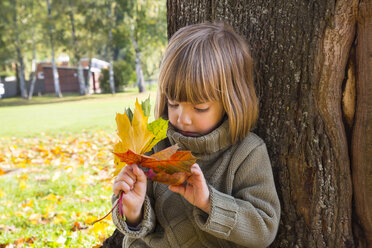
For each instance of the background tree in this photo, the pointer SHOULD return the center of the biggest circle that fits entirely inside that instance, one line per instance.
(304, 69)
(145, 23)
(34, 13)
(72, 10)
(18, 46)
(110, 5)
(80, 29)
(93, 24)
(51, 37)
(6, 53)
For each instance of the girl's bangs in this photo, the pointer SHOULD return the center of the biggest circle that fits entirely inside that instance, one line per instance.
(190, 78)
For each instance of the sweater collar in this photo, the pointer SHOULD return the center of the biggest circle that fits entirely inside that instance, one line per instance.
(206, 144)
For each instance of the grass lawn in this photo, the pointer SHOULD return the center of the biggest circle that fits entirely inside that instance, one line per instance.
(70, 114)
(56, 169)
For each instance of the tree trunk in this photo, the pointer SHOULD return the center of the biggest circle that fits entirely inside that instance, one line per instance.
(110, 51)
(54, 67)
(21, 73)
(305, 79)
(301, 52)
(361, 149)
(77, 54)
(140, 81)
(21, 67)
(87, 80)
(33, 80)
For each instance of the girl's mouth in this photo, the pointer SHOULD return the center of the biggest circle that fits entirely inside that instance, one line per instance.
(190, 134)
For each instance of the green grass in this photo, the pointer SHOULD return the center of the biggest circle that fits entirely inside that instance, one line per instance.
(70, 114)
(52, 184)
(56, 168)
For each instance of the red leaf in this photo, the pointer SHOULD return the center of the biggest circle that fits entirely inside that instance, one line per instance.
(169, 165)
(179, 161)
(171, 179)
(166, 153)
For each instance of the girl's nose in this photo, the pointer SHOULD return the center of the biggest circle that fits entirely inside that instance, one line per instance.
(184, 118)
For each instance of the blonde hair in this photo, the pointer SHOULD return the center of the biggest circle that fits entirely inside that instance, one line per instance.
(210, 62)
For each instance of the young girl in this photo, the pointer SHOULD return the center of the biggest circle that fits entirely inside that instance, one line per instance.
(206, 92)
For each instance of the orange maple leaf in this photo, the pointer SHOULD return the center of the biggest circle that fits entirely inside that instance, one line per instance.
(168, 166)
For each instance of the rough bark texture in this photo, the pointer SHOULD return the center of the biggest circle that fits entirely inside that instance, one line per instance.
(315, 108)
(362, 133)
(301, 51)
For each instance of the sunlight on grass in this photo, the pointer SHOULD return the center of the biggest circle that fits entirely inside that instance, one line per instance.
(56, 169)
(52, 188)
(70, 115)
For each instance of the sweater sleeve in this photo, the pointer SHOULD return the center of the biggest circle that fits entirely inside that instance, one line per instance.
(250, 216)
(147, 224)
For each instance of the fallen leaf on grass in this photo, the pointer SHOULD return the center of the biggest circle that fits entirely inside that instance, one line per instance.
(4, 228)
(77, 226)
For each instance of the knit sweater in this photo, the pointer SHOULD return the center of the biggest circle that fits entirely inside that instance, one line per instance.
(244, 206)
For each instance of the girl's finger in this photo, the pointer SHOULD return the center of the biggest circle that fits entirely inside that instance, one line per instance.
(127, 170)
(121, 186)
(197, 174)
(195, 169)
(129, 180)
(140, 175)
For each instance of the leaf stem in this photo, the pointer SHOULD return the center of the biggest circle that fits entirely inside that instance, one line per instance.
(121, 210)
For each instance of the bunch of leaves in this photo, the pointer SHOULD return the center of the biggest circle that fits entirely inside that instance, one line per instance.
(137, 137)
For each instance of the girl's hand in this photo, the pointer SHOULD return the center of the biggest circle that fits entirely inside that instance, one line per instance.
(132, 182)
(195, 190)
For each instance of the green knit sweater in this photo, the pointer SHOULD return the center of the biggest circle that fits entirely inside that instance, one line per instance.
(245, 208)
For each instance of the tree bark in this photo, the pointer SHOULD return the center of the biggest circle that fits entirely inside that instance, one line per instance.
(315, 108)
(77, 54)
(139, 73)
(361, 149)
(33, 80)
(54, 67)
(21, 67)
(110, 50)
(301, 52)
(88, 78)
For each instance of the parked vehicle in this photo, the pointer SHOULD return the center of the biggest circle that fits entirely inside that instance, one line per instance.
(2, 90)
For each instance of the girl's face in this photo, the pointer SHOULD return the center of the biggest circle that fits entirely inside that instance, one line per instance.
(195, 120)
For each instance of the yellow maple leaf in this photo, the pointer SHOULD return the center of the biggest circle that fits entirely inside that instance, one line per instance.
(133, 135)
(59, 219)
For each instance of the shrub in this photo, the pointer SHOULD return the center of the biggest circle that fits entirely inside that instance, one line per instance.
(124, 75)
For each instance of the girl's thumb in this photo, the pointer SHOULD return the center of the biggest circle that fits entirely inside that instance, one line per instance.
(141, 177)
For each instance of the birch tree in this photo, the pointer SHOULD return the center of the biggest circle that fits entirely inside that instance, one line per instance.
(33, 13)
(110, 5)
(18, 47)
(54, 66)
(72, 8)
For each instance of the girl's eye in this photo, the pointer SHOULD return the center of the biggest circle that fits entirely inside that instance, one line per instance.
(172, 105)
(201, 109)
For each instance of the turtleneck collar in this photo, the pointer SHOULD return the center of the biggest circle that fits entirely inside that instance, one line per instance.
(206, 144)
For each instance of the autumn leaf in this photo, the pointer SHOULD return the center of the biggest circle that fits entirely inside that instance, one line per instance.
(168, 166)
(171, 179)
(135, 133)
